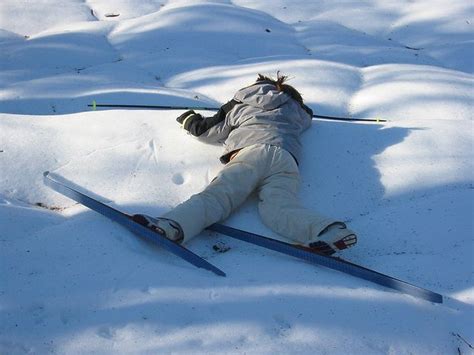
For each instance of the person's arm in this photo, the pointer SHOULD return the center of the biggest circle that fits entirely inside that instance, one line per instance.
(208, 129)
(307, 122)
(308, 110)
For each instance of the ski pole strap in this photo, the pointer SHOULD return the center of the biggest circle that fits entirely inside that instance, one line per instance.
(329, 262)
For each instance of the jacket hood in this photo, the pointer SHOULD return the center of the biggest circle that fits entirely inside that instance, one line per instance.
(262, 95)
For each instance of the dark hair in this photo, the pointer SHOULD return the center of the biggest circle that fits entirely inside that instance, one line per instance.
(287, 89)
(281, 86)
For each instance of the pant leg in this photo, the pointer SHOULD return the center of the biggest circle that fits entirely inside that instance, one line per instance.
(279, 206)
(231, 187)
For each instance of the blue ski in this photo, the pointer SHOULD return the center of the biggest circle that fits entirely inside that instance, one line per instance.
(300, 252)
(338, 264)
(126, 221)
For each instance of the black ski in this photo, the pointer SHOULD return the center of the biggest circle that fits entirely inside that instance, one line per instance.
(338, 264)
(126, 221)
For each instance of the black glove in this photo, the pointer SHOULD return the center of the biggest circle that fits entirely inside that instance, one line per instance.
(187, 118)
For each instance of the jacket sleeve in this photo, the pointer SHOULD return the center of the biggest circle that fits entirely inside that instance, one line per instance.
(305, 117)
(212, 129)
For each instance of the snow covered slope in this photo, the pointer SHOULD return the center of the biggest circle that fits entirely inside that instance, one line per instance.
(73, 282)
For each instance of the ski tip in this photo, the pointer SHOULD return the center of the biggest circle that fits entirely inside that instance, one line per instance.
(427, 295)
(217, 271)
(208, 266)
(46, 173)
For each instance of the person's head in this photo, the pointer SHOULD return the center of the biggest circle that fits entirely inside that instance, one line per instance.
(279, 83)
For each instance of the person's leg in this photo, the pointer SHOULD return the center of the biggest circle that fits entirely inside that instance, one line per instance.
(282, 211)
(279, 205)
(234, 183)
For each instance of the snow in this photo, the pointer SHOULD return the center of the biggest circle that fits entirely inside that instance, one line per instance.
(74, 283)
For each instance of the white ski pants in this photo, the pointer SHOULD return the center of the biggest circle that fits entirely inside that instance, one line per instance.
(274, 174)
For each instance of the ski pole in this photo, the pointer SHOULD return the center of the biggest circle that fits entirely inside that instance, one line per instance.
(155, 107)
(94, 106)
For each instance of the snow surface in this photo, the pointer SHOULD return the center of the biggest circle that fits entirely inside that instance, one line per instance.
(75, 283)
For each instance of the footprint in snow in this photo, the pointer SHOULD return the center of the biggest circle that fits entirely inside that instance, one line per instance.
(178, 179)
(106, 333)
(282, 325)
(213, 295)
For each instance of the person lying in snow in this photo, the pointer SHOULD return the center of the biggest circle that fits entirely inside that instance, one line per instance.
(260, 129)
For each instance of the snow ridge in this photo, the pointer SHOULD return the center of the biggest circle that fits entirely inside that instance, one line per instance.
(75, 283)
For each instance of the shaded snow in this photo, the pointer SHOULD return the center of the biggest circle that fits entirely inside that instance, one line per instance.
(73, 282)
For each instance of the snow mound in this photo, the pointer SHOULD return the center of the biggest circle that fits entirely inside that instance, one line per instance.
(75, 283)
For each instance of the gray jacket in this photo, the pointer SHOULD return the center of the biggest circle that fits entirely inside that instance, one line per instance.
(259, 114)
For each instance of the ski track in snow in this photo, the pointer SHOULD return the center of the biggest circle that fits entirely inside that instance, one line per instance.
(76, 283)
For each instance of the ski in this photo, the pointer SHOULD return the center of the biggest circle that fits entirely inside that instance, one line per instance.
(297, 251)
(126, 221)
(331, 262)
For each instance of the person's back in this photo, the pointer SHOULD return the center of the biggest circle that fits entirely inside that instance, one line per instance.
(264, 115)
(259, 113)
